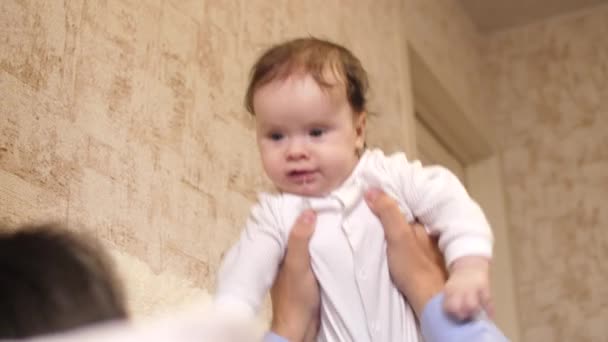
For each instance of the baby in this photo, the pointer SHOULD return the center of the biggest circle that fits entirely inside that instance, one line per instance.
(309, 100)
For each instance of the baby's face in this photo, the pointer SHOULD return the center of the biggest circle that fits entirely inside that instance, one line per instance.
(307, 136)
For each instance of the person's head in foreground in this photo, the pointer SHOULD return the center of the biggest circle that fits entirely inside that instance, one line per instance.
(309, 100)
(53, 280)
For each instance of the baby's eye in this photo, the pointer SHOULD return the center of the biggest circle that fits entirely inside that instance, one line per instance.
(275, 136)
(317, 132)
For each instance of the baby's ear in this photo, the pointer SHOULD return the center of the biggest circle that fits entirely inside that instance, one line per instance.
(360, 123)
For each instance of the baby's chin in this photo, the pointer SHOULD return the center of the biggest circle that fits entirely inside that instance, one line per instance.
(305, 191)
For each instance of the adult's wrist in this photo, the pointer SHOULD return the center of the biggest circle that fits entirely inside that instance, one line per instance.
(288, 332)
(422, 293)
(272, 336)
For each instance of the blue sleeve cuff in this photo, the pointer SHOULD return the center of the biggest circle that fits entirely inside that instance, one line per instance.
(272, 337)
(437, 326)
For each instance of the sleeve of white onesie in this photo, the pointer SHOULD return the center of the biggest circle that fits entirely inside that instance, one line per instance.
(438, 200)
(249, 268)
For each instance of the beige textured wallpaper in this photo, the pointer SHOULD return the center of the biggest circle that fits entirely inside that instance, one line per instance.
(125, 119)
(548, 95)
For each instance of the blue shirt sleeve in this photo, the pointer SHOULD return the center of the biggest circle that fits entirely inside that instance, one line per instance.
(437, 326)
(272, 337)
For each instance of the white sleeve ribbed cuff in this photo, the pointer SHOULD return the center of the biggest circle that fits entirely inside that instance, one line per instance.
(467, 246)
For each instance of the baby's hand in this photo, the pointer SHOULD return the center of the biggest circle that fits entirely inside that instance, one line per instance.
(468, 288)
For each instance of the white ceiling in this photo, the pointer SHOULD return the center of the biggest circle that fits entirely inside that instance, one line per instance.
(493, 15)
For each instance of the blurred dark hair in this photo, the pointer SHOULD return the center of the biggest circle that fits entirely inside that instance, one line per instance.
(53, 279)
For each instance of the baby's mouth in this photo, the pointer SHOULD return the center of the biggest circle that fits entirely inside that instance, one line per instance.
(301, 176)
(296, 173)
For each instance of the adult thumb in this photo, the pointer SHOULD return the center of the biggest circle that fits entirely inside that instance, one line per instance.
(299, 238)
(387, 211)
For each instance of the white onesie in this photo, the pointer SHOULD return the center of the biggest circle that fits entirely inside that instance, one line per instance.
(359, 302)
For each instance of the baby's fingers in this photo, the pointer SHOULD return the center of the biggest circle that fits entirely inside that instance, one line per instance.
(461, 305)
(486, 302)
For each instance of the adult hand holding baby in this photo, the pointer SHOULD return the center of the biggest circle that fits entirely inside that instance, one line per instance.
(295, 294)
(415, 263)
